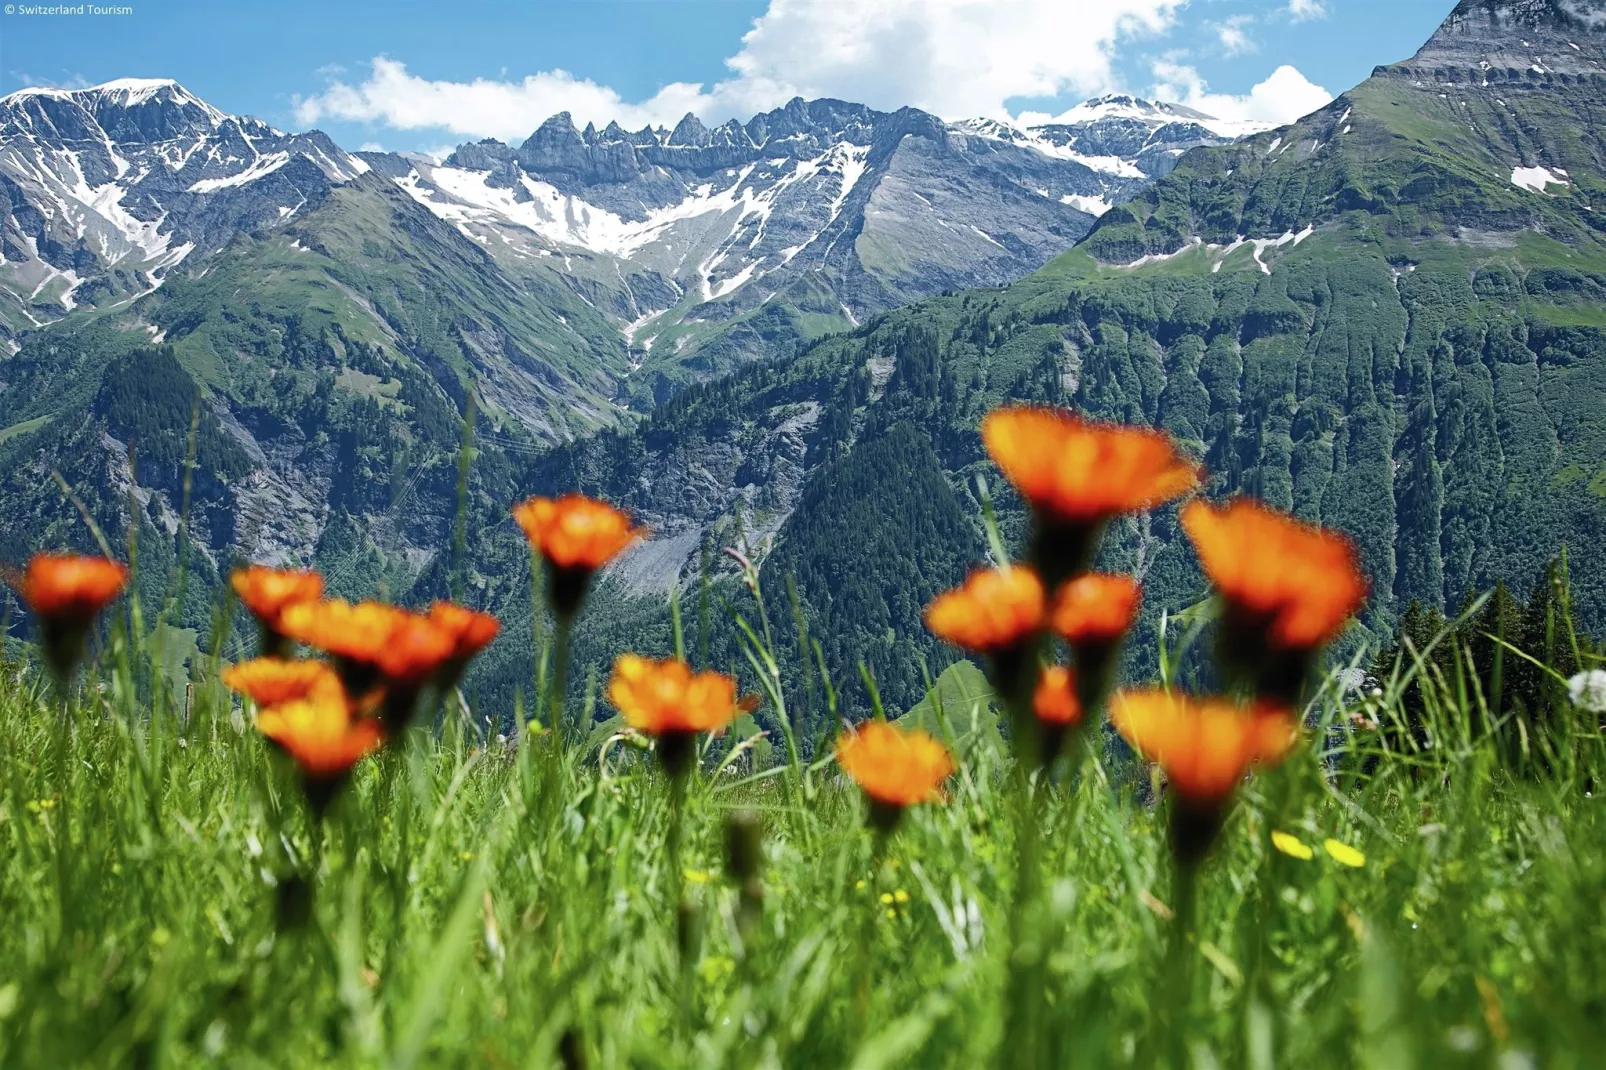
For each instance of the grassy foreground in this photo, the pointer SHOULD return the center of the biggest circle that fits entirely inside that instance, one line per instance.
(168, 902)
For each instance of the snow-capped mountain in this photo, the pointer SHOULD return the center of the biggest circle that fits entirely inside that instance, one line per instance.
(712, 244)
(1121, 135)
(880, 207)
(107, 188)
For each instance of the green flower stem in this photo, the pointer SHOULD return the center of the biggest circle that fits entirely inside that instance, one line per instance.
(1023, 1003)
(880, 832)
(560, 682)
(681, 910)
(1177, 980)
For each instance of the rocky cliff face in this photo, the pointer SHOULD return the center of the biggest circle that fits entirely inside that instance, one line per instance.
(1512, 40)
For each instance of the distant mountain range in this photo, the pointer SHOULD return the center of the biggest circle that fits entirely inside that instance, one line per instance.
(1386, 317)
(331, 311)
(700, 247)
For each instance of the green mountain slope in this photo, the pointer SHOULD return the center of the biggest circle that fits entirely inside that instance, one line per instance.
(326, 365)
(1377, 328)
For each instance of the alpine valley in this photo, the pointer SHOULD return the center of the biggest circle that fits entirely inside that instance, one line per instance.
(780, 336)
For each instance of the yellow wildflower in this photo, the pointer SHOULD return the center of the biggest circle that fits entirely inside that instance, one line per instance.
(1344, 854)
(1292, 846)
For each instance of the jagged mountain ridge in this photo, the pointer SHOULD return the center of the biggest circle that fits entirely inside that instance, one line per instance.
(835, 209)
(330, 314)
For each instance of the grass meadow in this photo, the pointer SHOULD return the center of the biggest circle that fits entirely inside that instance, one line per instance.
(1418, 882)
(169, 901)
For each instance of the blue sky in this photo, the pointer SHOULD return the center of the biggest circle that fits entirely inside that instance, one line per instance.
(422, 76)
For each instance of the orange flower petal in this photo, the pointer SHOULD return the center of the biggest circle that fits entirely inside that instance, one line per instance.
(468, 629)
(892, 766)
(266, 591)
(320, 734)
(405, 647)
(271, 681)
(1303, 581)
(1095, 607)
(414, 650)
(664, 696)
(575, 531)
(1055, 700)
(1204, 745)
(994, 609)
(1076, 471)
(71, 587)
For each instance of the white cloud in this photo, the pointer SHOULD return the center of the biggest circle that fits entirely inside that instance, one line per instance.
(370, 146)
(71, 81)
(1234, 36)
(1300, 10)
(1284, 96)
(957, 58)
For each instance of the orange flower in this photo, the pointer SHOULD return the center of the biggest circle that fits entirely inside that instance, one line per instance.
(340, 628)
(468, 629)
(323, 737)
(416, 649)
(267, 591)
(1296, 582)
(403, 647)
(1095, 608)
(577, 535)
(575, 531)
(1077, 472)
(996, 609)
(66, 591)
(1055, 702)
(272, 681)
(667, 697)
(895, 768)
(71, 588)
(1204, 745)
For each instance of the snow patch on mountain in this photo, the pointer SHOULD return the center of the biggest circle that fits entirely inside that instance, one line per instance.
(1093, 206)
(1537, 178)
(263, 165)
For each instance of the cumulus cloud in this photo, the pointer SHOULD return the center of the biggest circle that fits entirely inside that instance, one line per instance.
(1234, 35)
(1284, 96)
(957, 58)
(395, 97)
(1300, 10)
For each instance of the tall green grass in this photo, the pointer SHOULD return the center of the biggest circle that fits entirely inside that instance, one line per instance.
(168, 901)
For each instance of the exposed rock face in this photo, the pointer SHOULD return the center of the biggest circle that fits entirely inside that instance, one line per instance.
(1514, 40)
(687, 489)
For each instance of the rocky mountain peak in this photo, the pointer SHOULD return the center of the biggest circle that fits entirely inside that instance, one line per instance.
(1513, 40)
(128, 111)
(689, 132)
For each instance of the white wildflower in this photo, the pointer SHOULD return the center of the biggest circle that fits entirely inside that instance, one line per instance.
(1588, 690)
